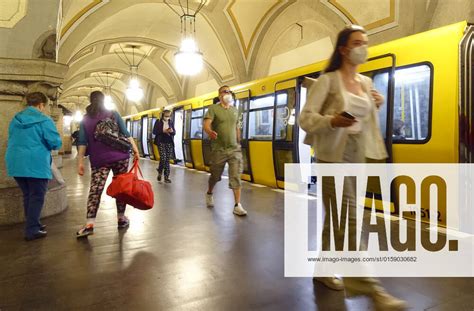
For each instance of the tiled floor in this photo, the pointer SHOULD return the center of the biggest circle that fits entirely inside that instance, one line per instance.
(180, 256)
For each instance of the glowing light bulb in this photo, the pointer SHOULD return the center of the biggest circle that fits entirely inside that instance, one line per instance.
(78, 116)
(188, 60)
(109, 103)
(134, 91)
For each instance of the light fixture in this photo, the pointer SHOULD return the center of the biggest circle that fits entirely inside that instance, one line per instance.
(134, 92)
(109, 103)
(78, 116)
(107, 88)
(188, 60)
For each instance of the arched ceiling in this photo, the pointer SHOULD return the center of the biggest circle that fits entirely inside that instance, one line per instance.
(238, 39)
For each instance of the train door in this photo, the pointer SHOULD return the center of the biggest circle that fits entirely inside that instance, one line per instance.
(151, 145)
(178, 115)
(136, 132)
(144, 136)
(260, 139)
(128, 124)
(196, 138)
(466, 107)
(188, 157)
(284, 134)
(206, 142)
(381, 69)
(242, 104)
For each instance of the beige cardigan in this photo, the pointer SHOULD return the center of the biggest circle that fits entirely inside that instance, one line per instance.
(326, 98)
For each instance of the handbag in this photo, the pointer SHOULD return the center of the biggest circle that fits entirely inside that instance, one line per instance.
(107, 132)
(130, 189)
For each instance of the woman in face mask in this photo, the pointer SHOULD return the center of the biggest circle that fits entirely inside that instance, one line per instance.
(164, 138)
(341, 121)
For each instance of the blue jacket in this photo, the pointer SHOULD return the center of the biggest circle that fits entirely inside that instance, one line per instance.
(31, 137)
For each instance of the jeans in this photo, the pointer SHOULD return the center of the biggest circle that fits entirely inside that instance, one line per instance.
(34, 191)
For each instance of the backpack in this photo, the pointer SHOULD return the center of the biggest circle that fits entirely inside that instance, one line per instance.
(107, 132)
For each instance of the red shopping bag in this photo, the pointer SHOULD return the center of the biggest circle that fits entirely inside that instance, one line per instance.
(132, 190)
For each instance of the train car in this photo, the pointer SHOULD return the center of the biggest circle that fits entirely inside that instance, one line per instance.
(427, 83)
(140, 127)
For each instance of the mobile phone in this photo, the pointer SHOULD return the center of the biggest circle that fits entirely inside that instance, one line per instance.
(346, 114)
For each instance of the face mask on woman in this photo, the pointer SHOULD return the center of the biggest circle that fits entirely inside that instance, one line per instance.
(358, 55)
(228, 99)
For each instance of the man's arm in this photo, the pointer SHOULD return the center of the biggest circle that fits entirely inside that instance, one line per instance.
(239, 136)
(208, 129)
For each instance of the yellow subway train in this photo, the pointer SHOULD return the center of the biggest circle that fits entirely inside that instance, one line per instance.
(428, 116)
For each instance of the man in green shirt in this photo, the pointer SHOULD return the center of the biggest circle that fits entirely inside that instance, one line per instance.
(221, 124)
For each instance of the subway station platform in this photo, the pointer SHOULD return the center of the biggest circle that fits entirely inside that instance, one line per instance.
(180, 256)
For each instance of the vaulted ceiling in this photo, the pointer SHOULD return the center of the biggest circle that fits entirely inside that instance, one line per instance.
(238, 38)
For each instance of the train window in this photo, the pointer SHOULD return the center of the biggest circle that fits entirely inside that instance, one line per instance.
(262, 102)
(261, 118)
(197, 113)
(187, 124)
(261, 124)
(196, 124)
(136, 129)
(204, 134)
(285, 115)
(196, 128)
(242, 107)
(152, 126)
(412, 97)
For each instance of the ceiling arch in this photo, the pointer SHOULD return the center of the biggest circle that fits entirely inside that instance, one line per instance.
(240, 39)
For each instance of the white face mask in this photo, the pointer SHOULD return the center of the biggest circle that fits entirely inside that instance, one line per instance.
(358, 55)
(228, 99)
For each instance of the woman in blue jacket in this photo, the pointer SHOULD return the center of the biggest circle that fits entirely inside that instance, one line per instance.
(31, 137)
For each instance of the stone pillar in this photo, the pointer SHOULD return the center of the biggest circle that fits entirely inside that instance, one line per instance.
(17, 78)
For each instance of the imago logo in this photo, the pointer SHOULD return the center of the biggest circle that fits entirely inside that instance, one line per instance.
(341, 213)
(383, 220)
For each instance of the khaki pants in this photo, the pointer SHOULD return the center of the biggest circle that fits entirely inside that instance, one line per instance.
(218, 160)
(353, 153)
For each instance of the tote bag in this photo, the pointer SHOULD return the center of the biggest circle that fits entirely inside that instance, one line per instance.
(131, 189)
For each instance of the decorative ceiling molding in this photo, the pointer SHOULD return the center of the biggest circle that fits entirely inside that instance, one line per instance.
(81, 15)
(75, 81)
(11, 12)
(234, 21)
(389, 18)
(81, 54)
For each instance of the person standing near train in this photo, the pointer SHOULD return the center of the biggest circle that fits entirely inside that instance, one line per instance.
(164, 138)
(341, 117)
(32, 136)
(221, 124)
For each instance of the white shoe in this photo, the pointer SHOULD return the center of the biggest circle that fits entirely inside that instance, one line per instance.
(209, 200)
(239, 210)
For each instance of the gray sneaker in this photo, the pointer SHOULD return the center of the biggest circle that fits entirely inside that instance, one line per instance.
(209, 200)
